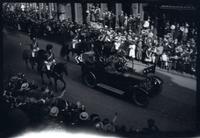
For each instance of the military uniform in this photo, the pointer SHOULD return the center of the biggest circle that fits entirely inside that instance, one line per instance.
(34, 48)
(50, 60)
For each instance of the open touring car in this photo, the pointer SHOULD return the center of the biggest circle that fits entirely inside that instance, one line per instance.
(139, 87)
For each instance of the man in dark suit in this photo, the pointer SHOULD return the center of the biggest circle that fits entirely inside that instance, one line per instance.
(113, 20)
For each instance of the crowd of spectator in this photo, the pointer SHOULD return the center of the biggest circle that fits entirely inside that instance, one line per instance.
(109, 19)
(176, 49)
(41, 26)
(35, 105)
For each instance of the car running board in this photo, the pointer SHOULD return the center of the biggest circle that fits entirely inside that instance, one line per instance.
(110, 88)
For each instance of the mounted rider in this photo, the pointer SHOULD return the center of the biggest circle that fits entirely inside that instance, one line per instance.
(34, 47)
(50, 59)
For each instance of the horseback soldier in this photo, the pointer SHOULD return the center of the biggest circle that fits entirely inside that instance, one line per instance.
(50, 61)
(34, 47)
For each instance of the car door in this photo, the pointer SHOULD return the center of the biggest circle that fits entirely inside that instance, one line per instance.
(121, 82)
(111, 78)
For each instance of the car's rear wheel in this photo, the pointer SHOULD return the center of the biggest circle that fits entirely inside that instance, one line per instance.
(89, 79)
(140, 98)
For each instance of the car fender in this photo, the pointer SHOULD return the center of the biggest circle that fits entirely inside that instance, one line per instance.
(93, 75)
(138, 91)
(156, 80)
(135, 87)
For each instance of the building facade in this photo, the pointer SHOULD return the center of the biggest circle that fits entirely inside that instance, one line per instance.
(77, 11)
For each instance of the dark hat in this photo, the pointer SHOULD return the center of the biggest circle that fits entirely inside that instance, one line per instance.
(49, 46)
(151, 121)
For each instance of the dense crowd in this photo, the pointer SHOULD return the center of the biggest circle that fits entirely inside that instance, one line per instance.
(175, 49)
(37, 105)
(30, 22)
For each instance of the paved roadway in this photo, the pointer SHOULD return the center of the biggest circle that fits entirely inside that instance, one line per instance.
(173, 110)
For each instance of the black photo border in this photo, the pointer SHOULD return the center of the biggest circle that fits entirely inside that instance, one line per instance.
(195, 3)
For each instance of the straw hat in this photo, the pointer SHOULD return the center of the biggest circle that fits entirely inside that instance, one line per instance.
(84, 116)
(54, 111)
(24, 86)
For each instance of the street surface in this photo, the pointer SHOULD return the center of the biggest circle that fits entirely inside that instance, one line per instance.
(173, 110)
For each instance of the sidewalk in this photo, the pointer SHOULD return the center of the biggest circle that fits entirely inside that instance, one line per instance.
(142, 66)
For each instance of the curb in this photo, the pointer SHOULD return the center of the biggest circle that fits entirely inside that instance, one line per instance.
(171, 72)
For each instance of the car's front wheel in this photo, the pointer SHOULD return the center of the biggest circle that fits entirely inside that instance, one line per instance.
(140, 98)
(89, 79)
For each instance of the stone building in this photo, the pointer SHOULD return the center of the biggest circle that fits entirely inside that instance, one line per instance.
(77, 11)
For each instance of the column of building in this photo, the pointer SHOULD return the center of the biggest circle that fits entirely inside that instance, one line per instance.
(76, 10)
(104, 7)
(68, 11)
(141, 10)
(118, 12)
(78, 13)
(61, 12)
(50, 10)
(134, 7)
(71, 11)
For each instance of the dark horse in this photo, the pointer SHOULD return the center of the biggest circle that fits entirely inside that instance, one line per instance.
(56, 72)
(28, 59)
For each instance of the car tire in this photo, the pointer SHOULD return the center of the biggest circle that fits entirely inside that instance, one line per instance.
(89, 79)
(140, 98)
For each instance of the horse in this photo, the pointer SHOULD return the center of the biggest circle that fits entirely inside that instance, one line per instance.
(65, 50)
(56, 72)
(28, 58)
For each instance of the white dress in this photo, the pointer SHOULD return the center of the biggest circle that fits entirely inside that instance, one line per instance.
(132, 51)
(165, 59)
